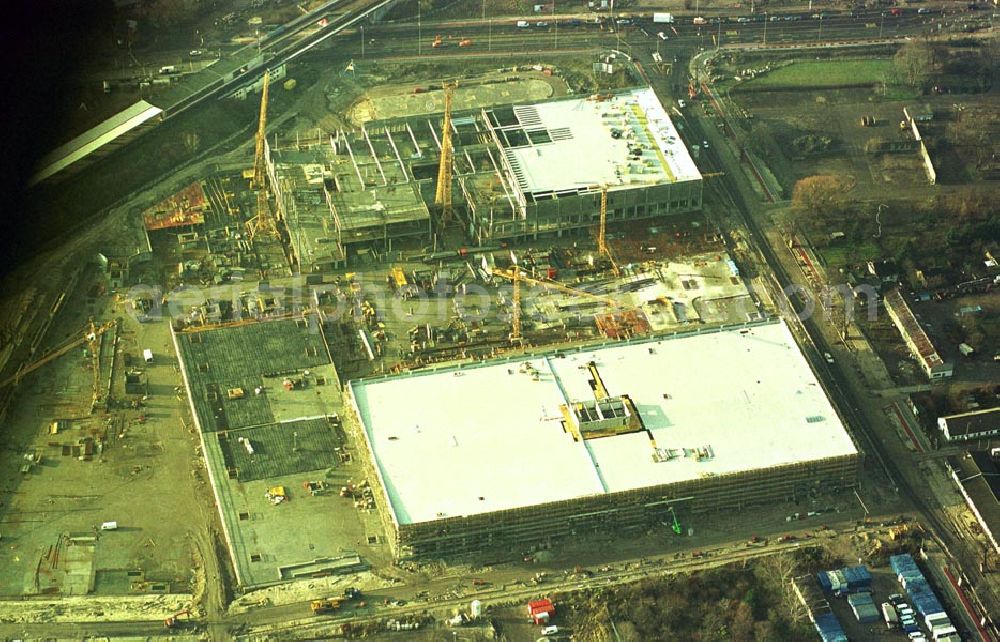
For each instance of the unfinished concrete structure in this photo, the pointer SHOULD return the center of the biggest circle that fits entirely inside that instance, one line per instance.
(534, 448)
(265, 398)
(345, 194)
(522, 171)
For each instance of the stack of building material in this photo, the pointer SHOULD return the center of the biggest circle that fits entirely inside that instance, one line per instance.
(863, 607)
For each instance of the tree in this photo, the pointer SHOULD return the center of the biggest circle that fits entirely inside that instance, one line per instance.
(914, 63)
(823, 193)
(742, 626)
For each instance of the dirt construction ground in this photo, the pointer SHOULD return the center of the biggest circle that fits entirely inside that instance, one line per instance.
(395, 101)
(144, 471)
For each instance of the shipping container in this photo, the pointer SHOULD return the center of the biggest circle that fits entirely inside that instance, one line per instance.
(858, 577)
(829, 629)
(824, 581)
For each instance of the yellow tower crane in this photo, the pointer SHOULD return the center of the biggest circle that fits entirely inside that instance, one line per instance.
(442, 195)
(262, 222)
(515, 320)
(89, 336)
(602, 232)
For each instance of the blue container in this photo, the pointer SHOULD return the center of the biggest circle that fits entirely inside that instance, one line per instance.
(857, 577)
(829, 629)
(897, 562)
(824, 581)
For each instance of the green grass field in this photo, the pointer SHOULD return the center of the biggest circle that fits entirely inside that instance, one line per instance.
(826, 73)
(840, 255)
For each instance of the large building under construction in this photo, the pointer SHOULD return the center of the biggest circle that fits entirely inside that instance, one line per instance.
(533, 448)
(520, 171)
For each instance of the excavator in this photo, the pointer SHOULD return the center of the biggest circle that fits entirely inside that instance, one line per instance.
(172, 621)
(676, 525)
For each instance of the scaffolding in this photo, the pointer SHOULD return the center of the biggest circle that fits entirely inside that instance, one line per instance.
(637, 509)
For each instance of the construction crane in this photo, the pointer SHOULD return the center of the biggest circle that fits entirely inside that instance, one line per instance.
(520, 277)
(676, 525)
(602, 232)
(515, 313)
(442, 195)
(88, 336)
(262, 222)
(173, 620)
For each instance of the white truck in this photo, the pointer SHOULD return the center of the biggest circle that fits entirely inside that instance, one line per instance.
(890, 616)
(663, 18)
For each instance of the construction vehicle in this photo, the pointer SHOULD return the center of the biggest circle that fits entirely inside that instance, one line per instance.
(352, 593)
(276, 494)
(675, 525)
(438, 43)
(464, 42)
(172, 621)
(442, 193)
(329, 605)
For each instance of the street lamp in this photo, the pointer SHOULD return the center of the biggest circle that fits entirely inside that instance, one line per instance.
(362, 41)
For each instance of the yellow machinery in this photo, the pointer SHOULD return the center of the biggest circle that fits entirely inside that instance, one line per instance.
(509, 275)
(517, 277)
(600, 391)
(602, 232)
(329, 605)
(89, 337)
(442, 195)
(515, 321)
(262, 222)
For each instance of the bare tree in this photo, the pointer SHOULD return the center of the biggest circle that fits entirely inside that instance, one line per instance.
(778, 571)
(914, 63)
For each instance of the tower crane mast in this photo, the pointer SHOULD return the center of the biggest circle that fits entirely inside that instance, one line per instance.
(602, 232)
(442, 195)
(262, 222)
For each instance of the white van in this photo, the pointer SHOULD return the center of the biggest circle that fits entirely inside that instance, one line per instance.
(147, 354)
(169, 69)
(109, 526)
(523, 23)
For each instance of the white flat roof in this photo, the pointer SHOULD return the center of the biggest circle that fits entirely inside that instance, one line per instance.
(486, 438)
(89, 141)
(583, 151)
